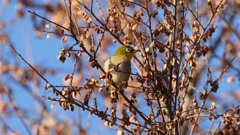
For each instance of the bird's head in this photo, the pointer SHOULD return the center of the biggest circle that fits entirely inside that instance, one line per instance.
(125, 51)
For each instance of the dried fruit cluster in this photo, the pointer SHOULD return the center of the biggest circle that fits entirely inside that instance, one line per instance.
(173, 84)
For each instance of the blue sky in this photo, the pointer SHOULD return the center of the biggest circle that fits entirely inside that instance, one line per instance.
(44, 52)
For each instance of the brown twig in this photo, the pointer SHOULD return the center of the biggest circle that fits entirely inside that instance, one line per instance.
(101, 12)
(28, 64)
(72, 100)
(52, 32)
(200, 37)
(44, 18)
(19, 116)
(227, 66)
(225, 69)
(125, 98)
(6, 125)
(74, 67)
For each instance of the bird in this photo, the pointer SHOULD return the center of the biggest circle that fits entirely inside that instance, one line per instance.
(119, 67)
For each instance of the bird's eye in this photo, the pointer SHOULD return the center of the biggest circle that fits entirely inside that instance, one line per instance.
(128, 50)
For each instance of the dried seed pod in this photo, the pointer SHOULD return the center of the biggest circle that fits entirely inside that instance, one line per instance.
(156, 33)
(94, 64)
(214, 86)
(133, 98)
(62, 58)
(202, 96)
(64, 39)
(154, 14)
(204, 49)
(149, 102)
(102, 76)
(135, 26)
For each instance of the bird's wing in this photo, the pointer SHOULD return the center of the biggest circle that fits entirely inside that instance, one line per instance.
(110, 64)
(113, 61)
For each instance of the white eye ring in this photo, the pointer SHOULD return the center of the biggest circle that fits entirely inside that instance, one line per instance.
(128, 50)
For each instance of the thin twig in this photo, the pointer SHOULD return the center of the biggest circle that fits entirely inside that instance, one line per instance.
(53, 32)
(40, 120)
(227, 66)
(28, 64)
(192, 130)
(74, 67)
(101, 12)
(196, 18)
(6, 125)
(125, 98)
(200, 37)
(19, 116)
(71, 100)
(44, 18)
(210, 128)
(218, 126)
(96, 18)
(91, 6)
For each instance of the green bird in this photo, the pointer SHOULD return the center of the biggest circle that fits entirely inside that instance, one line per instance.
(119, 66)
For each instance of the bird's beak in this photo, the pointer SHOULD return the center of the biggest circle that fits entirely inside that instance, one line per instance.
(136, 51)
